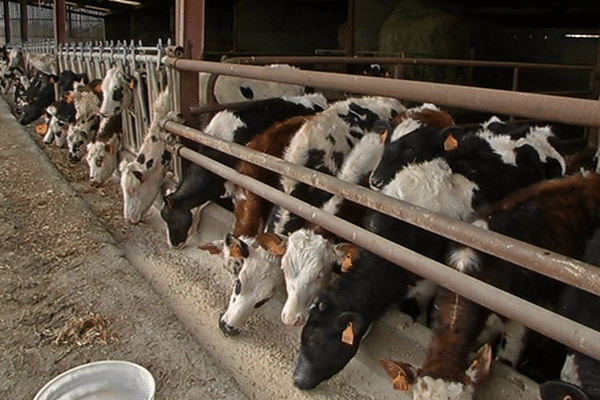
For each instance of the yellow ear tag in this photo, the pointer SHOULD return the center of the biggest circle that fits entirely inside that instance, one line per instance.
(400, 382)
(348, 335)
(450, 143)
(41, 129)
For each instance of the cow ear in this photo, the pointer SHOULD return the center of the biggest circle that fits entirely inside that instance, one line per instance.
(451, 137)
(382, 126)
(351, 323)
(402, 374)
(345, 254)
(275, 244)
(237, 248)
(98, 88)
(481, 367)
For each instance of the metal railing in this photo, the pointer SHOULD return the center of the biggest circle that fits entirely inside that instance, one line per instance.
(93, 58)
(553, 108)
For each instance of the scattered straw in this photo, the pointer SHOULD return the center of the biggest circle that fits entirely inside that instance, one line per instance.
(91, 329)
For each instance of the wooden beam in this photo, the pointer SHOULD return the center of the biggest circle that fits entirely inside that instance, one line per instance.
(189, 34)
(6, 21)
(24, 22)
(60, 22)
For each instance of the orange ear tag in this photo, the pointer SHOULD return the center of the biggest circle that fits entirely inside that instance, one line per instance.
(400, 382)
(450, 143)
(346, 264)
(41, 129)
(348, 335)
(384, 136)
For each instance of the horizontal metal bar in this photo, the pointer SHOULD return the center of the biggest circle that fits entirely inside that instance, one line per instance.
(570, 333)
(571, 111)
(556, 266)
(302, 60)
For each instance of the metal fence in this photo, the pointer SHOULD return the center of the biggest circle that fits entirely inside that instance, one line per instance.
(159, 70)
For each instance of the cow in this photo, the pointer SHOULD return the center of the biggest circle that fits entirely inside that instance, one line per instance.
(102, 153)
(475, 168)
(262, 276)
(142, 177)
(322, 143)
(559, 215)
(199, 185)
(233, 89)
(60, 115)
(87, 100)
(257, 278)
(579, 375)
(311, 252)
(117, 90)
(43, 98)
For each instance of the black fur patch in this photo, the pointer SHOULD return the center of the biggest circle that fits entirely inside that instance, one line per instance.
(141, 158)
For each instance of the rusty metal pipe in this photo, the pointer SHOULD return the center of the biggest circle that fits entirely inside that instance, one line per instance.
(557, 327)
(570, 111)
(305, 60)
(556, 266)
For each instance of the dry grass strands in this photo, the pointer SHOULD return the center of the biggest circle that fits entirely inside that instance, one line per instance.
(91, 329)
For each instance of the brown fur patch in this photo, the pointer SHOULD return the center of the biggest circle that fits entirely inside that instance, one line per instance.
(272, 243)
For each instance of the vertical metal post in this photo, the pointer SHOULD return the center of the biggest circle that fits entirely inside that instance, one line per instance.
(60, 12)
(24, 22)
(189, 34)
(6, 22)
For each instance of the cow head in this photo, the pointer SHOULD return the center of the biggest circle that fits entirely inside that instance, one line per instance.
(77, 141)
(102, 159)
(60, 115)
(307, 264)
(117, 92)
(423, 386)
(416, 138)
(329, 340)
(256, 277)
(141, 179)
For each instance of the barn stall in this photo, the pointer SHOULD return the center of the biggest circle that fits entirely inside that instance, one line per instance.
(171, 65)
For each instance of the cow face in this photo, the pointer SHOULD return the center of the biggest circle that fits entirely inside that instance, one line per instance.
(329, 340)
(77, 141)
(256, 278)
(102, 159)
(408, 378)
(141, 180)
(116, 91)
(60, 116)
(307, 265)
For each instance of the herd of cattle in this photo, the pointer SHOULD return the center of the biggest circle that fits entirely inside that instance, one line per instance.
(508, 178)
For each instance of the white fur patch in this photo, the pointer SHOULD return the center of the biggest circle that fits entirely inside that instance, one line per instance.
(404, 128)
(433, 185)
(427, 388)
(570, 371)
(223, 125)
(464, 259)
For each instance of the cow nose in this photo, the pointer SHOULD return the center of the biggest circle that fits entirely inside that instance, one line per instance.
(227, 329)
(375, 182)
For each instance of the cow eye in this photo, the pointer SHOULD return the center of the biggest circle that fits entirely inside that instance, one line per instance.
(262, 302)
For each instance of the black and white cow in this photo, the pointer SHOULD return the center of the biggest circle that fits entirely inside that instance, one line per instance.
(60, 115)
(322, 143)
(142, 177)
(475, 168)
(43, 98)
(87, 100)
(103, 151)
(233, 89)
(560, 215)
(199, 185)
